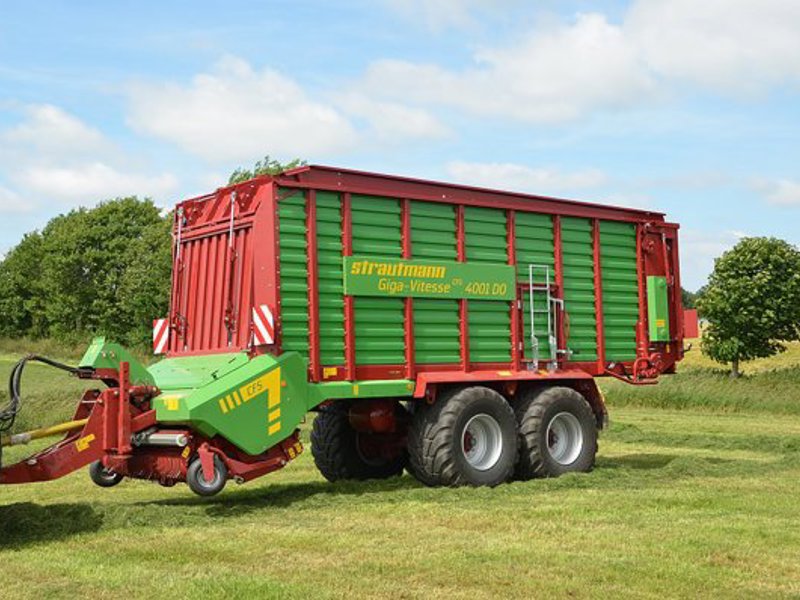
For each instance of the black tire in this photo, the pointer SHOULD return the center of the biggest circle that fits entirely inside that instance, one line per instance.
(197, 482)
(439, 435)
(336, 448)
(103, 477)
(542, 415)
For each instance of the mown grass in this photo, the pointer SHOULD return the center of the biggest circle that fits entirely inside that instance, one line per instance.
(694, 502)
(682, 504)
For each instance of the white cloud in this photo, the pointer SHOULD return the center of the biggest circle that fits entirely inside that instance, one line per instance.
(561, 71)
(12, 202)
(234, 112)
(731, 45)
(550, 76)
(783, 192)
(54, 156)
(390, 121)
(442, 14)
(516, 177)
(49, 130)
(93, 181)
(699, 250)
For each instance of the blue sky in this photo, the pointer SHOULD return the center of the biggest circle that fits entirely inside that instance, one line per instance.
(689, 108)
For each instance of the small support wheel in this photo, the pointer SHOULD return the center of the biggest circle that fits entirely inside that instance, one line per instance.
(102, 476)
(197, 481)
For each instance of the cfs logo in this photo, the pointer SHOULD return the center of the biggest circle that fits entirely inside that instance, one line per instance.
(253, 388)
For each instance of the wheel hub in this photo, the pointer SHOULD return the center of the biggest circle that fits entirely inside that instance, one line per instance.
(564, 438)
(482, 442)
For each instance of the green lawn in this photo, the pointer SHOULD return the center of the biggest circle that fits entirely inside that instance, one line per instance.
(683, 503)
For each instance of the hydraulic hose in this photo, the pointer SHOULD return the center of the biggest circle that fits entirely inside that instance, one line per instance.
(8, 415)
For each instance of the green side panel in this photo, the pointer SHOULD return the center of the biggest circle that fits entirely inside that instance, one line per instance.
(294, 274)
(254, 406)
(378, 321)
(534, 245)
(579, 292)
(329, 261)
(658, 309)
(620, 289)
(377, 388)
(489, 322)
(436, 330)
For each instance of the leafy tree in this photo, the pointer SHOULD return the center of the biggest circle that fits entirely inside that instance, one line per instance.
(689, 298)
(267, 166)
(20, 294)
(752, 302)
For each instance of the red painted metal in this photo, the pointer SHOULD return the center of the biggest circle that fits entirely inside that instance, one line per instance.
(691, 324)
(349, 312)
(463, 310)
(426, 380)
(561, 316)
(359, 182)
(598, 295)
(375, 416)
(315, 368)
(408, 303)
(516, 305)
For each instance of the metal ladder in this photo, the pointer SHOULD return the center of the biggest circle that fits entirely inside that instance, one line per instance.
(552, 305)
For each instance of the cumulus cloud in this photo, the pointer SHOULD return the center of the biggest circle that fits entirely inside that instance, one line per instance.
(518, 177)
(699, 250)
(561, 71)
(783, 192)
(233, 112)
(391, 121)
(443, 14)
(93, 181)
(552, 75)
(56, 157)
(12, 202)
(730, 45)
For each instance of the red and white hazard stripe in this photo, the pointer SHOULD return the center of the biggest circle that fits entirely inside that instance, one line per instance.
(160, 336)
(263, 326)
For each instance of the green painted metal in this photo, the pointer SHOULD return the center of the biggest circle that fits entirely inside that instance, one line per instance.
(489, 324)
(579, 288)
(254, 407)
(658, 309)
(381, 277)
(329, 259)
(379, 334)
(436, 325)
(389, 388)
(535, 245)
(620, 289)
(191, 372)
(293, 272)
(107, 355)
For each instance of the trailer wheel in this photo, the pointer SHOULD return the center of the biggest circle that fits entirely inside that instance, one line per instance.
(469, 437)
(342, 453)
(197, 481)
(102, 476)
(557, 433)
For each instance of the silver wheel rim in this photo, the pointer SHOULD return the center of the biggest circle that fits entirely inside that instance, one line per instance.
(564, 438)
(482, 442)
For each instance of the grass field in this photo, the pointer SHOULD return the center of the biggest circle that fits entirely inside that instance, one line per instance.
(699, 501)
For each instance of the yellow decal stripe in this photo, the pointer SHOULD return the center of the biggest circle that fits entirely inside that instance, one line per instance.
(222, 406)
(275, 415)
(83, 443)
(231, 405)
(274, 428)
(236, 399)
